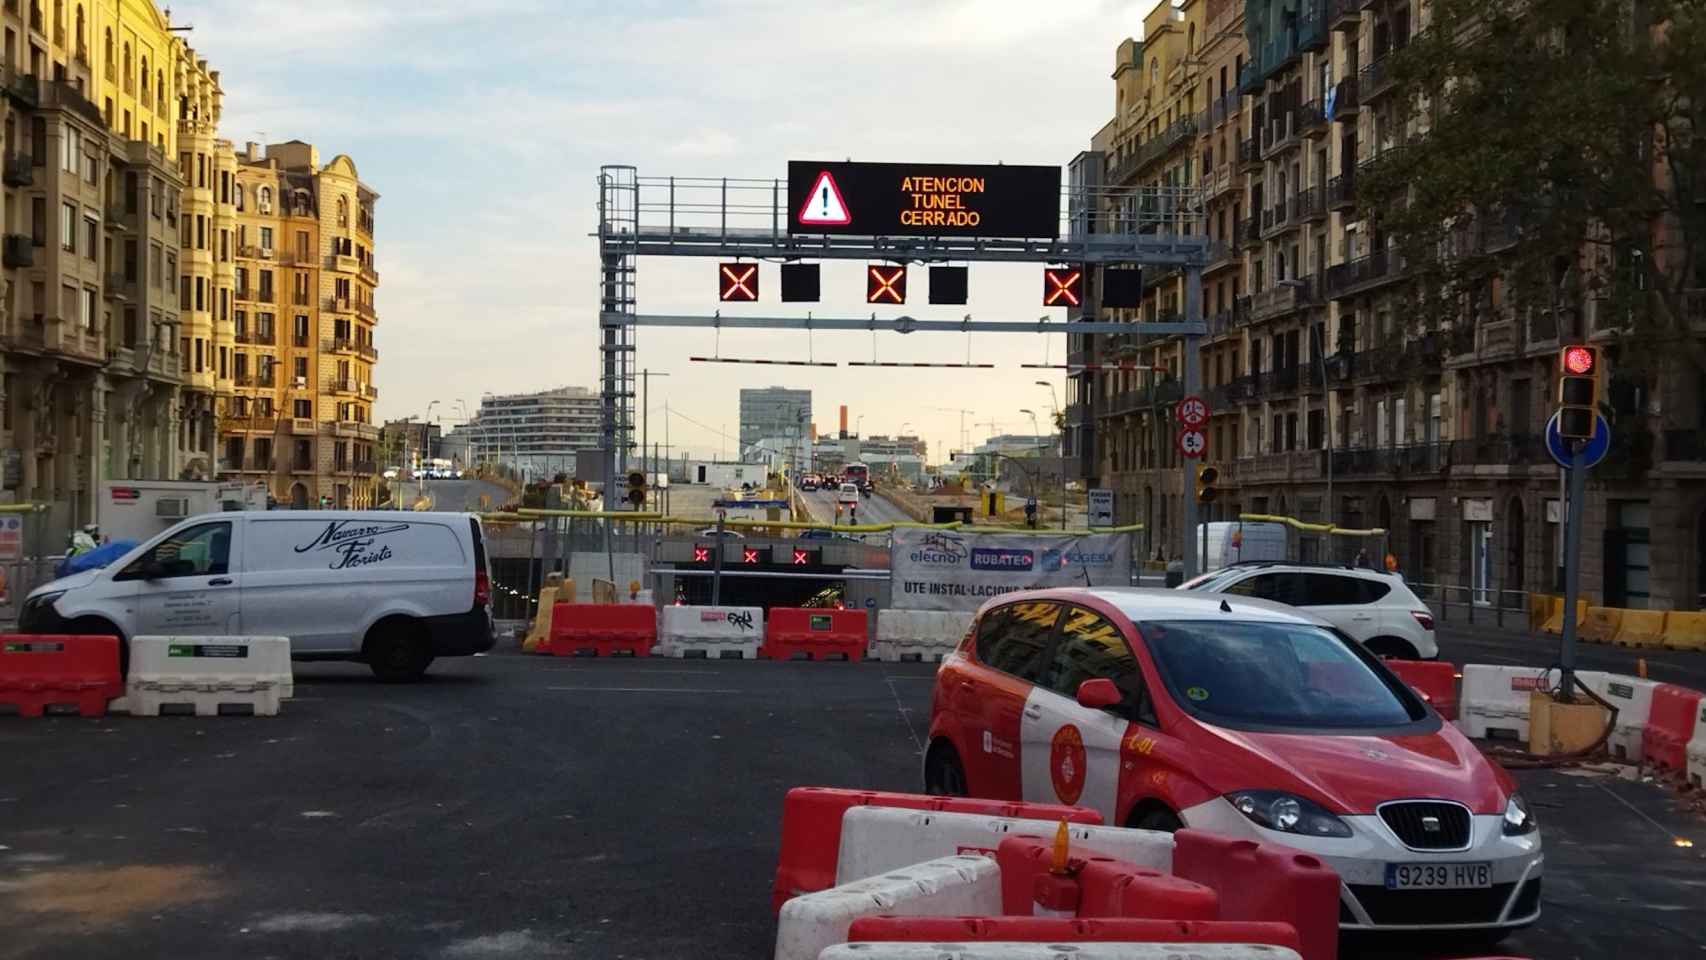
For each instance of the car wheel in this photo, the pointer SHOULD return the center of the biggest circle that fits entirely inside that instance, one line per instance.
(944, 776)
(1392, 648)
(396, 652)
(1159, 818)
(96, 627)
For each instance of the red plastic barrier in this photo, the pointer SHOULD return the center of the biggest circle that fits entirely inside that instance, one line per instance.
(811, 828)
(1098, 886)
(603, 629)
(1434, 680)
(817, 633)
(1058, 930)
(1115, 888)
(39, 671)
(1265, 882)
(1671, 725)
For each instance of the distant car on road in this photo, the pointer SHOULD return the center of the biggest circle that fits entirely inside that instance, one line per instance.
(847, 495)
(726, 534)
(809, 482)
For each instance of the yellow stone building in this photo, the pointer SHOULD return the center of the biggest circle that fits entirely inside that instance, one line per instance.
(125, 352)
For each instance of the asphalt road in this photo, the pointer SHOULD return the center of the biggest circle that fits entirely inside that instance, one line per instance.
(872, 509)
(1463, 643)
(537, 807)
(465, 494)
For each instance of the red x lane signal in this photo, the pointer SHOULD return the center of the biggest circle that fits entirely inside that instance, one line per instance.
(1063, 286)
(701, 554)
(737, 282)
(885, 284)
(749, 555)
(801, 557)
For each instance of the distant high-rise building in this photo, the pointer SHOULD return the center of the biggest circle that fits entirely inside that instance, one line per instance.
(536, 433)
(767, 412)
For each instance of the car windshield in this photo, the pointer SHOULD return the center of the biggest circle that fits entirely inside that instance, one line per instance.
(1210, 580)
(1254, 674)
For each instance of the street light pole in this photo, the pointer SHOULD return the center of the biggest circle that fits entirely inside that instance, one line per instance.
(1060, 428)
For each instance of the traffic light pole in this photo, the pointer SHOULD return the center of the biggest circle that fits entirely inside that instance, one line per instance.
(1193, 383)
(1572, 572)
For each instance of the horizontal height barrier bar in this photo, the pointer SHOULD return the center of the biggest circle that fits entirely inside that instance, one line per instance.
(898, 324)
(906, 363)
(736, 571)
(778, 363)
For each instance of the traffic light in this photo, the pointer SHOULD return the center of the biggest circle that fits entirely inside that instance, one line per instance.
(737, 282)
(885, 284)
(1578, 391)
(637, 488)
(1207, 476)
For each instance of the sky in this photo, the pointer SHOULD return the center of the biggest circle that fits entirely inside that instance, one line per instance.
(483, 124)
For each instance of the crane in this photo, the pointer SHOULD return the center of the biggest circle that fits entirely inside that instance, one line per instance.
(965, 438)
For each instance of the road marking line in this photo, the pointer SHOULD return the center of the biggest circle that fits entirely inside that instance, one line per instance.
(906, 716)
(653, 689)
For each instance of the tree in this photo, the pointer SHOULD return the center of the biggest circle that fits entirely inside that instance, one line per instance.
(1547, 155)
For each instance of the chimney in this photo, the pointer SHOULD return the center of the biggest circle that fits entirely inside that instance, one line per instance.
(844, 421)
(249, 149)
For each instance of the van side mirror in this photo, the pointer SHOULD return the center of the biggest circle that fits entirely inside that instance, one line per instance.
(1098, 694)
(152, 569)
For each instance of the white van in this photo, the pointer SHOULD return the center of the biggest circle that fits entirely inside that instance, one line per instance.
(1232, 541)
(387, 588)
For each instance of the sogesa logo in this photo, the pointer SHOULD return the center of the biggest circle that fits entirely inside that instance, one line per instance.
(940, 549)
(1054, 559)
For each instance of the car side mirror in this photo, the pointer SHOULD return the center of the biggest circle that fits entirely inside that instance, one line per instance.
(1098, 694)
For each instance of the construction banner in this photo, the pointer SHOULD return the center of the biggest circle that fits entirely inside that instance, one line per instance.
(951, 570)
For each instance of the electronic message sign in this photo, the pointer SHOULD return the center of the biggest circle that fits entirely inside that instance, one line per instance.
(923, 200)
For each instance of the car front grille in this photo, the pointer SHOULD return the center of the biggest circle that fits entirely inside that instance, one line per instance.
(1435, 907)
(1428, 824)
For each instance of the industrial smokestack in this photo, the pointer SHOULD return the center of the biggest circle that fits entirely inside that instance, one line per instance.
(844, 421)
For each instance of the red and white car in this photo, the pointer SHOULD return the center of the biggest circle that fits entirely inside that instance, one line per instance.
(1166, 708)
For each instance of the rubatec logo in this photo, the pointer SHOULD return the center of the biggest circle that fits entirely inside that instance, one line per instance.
(940, 549)
(998, 558)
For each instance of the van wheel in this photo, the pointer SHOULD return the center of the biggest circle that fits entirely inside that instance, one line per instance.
(96, 627)
(1392, 648)
(944, 776)
(397, 652)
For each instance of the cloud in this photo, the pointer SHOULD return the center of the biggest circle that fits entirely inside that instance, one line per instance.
(483, 127)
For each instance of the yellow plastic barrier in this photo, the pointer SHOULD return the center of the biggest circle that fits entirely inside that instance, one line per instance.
(1543, 608)
(1600, 625)
(1685, 630)
(1555, 620)
(541, 628)
(1641, 628)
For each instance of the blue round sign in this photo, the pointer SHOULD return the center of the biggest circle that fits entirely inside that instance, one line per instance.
(1592, 453)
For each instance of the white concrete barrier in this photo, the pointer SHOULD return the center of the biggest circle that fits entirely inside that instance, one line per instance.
(876, 840)
(206, 673)
(967, 886)
(928, 635)
(1495, 698)
(1697, 750)
(1633, 698)
(1076, 950)
(712, 632)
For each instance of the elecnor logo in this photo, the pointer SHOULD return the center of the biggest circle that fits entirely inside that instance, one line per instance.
(940, 549)
(999, 558)
(1055, 559)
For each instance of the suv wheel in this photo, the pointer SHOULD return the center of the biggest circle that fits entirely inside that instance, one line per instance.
(943, 774)
(1392, 648)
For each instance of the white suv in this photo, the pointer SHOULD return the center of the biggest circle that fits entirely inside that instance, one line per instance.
(1374, 608)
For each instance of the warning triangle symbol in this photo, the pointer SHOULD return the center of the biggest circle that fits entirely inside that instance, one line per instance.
(824, 206)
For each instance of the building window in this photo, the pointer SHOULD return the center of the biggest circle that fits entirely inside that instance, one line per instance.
(304, 409)
(266, 286)
(263, 199)
(343, 211)
(89, 308)
(301, 330)
(266, 238)
(91, 236)
(237, 195)
(201, 293)
(299, 368)
(68, 227)
(71, 150)
(111, 61)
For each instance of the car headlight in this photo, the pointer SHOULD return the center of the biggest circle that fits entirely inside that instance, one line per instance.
(1287, 813)
(43, 600)
(1518, 819)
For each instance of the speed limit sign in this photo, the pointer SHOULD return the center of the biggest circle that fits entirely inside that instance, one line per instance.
(1192, 411)
(1192, 443)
